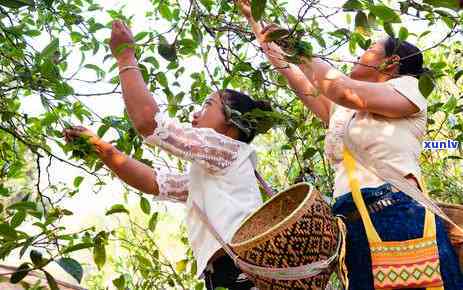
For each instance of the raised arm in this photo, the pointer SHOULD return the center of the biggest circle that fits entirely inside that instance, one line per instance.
(141, 106)
(317, 103)
(133, 172)
(375, 97)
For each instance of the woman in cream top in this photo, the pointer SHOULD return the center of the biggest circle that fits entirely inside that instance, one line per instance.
(395, 140)
(389, 123)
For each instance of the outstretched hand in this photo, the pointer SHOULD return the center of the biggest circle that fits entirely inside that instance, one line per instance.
(73, 133)
(245, 7)
(122, 41)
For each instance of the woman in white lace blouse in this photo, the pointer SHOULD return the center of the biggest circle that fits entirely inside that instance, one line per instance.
(221, 178)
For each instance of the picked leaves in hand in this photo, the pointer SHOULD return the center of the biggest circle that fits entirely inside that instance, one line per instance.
(277, 34)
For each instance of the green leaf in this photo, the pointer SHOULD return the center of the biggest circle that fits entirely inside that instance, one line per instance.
(385, 13)
(165, 11)
(458, 75)
(361, 23)
(167, 51)
(426, 85)
(50, 49)
(23, 205)
(451, 104)
(51, 281)
(352, 5)
(403, 33)
(119, 282)
(389, 29)
(145, 205)
(16, 3)
(99, 251)
(153, 221)
(181, 266)
(72, 267)
(99, 72)
(162, 79)
(18, 219)
(78, 180)
(36, 258)
(207, 3)
(102, 130)
(199, 286)
(194, 268)
(20, 273)
(451, 4)
(77, 247)
(117, 208)
(258, 9)
(7, 231)
(140, 36)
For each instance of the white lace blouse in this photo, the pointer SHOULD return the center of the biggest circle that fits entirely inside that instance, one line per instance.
(221, 181)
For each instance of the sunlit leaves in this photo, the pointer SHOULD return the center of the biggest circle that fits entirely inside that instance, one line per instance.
(385, 13)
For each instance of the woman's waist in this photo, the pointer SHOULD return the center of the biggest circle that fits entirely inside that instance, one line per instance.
(367, 178)
(375, 198)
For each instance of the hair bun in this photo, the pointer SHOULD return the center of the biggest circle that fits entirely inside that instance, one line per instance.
(263, 105)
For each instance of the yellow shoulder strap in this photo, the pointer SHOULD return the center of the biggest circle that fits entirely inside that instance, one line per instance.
(430, 219)
(354, 184)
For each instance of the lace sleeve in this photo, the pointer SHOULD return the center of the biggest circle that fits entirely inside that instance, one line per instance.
(172, 186)
(205, 146)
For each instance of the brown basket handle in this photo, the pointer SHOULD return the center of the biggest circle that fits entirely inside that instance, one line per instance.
(289, 273)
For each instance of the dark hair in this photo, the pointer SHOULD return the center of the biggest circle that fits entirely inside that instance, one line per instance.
(244, 104)
(411, 58)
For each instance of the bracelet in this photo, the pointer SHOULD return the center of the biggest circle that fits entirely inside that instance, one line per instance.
(127, 67)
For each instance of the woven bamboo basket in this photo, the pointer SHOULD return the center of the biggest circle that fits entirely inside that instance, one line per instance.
(455, 213)
(293, 228)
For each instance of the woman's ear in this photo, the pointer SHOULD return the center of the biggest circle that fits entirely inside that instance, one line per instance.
(392, 64)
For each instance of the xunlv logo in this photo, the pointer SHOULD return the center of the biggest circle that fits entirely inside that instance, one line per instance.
(439, 145)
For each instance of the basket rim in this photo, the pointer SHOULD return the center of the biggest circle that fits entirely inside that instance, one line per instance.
(287, 218)
(450, 205)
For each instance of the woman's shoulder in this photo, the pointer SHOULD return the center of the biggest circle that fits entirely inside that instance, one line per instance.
(408, 87)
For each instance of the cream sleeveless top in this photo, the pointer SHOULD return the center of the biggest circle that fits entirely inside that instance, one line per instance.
(395, 141)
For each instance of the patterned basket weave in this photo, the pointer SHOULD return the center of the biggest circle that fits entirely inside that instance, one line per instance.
(455, 213)
(294, 228)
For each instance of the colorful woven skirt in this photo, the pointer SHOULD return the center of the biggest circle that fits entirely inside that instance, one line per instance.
(401, 221)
